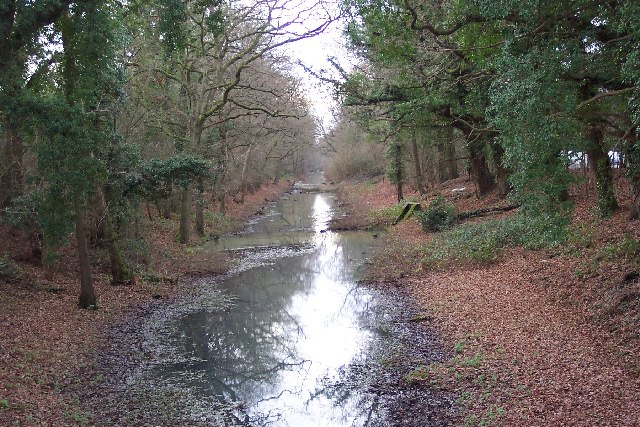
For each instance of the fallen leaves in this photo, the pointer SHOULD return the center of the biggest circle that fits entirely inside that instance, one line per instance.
(46, 342)
(541, 338)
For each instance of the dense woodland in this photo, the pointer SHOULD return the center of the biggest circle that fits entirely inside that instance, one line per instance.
(114, 110)
(516, 94)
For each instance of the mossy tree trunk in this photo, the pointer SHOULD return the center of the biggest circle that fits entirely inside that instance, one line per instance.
(243, 179)
(632, 163)
(416, 164)
(600, 166)
(450, 160)
(635, 207)
(87, 292)
(186, 196)
(502, 174)
(120, 271)
(185, 216)
(11, 172)
(476, 145)
(395, 171)
(480, 172)
(87, 297)
(200, 202)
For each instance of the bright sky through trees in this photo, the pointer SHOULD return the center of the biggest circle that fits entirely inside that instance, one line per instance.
(313, 53)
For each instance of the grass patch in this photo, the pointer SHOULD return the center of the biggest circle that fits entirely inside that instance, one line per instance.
(79, 418)
(468, 376)
(485, 241)
(384, 217)
(458, 347)
(417, 375)
(626, 250)
(489, 418)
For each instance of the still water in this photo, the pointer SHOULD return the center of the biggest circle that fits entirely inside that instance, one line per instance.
(299, 319)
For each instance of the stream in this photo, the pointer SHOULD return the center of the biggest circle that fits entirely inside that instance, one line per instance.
(290, 337)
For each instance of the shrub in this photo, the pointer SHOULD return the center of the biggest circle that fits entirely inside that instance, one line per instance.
(7, 267)
(438, 216)
(217, 222)
(357, 161)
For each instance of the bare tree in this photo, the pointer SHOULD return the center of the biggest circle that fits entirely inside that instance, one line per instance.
(206, 74)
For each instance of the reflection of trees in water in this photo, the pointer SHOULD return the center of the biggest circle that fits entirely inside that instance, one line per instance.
(240, 355)
(241, 352)
(294, 213)
(372, 388)
(352, 395)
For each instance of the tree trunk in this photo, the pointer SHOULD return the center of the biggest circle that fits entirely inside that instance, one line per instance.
(200, 209)
(502, 174)
(416, 164)
(397, 158)
(276, 175)
(187, 196)
(185, 216)
(243, 180)
(439, 170)
(399, 191)
(479, 169)
(600, 166)
(223, 202)
(632, 162)
(11, 172)
(120, 271)
(87, 293)
(87, 297)
(635, 207)
(450, 161)
(167, 207)
(223, 161)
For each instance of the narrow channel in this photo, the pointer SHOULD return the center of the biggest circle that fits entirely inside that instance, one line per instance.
(299, 317)
(302, 342)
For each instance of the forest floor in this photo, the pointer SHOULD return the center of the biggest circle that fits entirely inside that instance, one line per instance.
(46, 342)
(547, 337)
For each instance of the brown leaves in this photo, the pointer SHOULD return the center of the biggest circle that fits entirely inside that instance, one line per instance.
(46, 342)
(557, 332)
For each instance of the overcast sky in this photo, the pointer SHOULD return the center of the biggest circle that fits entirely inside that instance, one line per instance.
(313, 52)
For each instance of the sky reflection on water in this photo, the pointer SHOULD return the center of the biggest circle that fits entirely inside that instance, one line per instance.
(299, 319)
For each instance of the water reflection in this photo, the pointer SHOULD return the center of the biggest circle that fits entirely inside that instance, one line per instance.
(293, 219)
(298, 320)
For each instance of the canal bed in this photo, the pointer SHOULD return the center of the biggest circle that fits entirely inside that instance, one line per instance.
(290, 337)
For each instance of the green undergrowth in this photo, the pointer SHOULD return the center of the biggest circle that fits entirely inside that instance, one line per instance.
(438, 216)
(385, 217)
(217, 223)
(475, 385)
(7, 267)
(485, 241)
(582, 243)
(626, 250)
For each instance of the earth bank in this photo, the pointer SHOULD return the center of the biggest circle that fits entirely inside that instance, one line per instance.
(546, 337)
